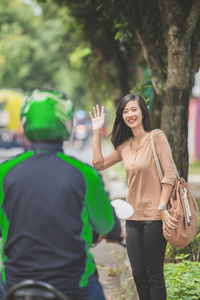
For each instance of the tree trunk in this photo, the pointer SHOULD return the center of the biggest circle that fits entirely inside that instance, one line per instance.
(156, 111)
(174, 123)
(174, 120)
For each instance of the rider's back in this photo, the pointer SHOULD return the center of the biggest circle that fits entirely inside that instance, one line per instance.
(44, 200)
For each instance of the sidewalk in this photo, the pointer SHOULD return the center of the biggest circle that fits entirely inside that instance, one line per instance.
(109, 261)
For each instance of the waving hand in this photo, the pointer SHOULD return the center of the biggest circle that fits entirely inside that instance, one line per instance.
(98, 119)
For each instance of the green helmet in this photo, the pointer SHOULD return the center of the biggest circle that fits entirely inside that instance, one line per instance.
(47, 114)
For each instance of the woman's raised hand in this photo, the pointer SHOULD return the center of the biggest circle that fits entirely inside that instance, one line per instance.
(98, 119)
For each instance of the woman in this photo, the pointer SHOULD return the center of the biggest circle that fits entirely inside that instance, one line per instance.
(131, 138)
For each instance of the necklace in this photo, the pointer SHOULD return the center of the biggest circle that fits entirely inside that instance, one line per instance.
(135, 152)
(131, 144)
(141, 143)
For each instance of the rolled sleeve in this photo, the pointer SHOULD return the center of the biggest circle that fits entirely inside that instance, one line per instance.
(164, 153)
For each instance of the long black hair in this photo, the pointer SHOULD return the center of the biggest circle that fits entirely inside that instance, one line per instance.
(121, 132)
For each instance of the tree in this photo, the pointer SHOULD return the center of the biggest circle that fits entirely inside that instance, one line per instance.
(23, 60)
(113, 58)
(36, 49)
(169, 34)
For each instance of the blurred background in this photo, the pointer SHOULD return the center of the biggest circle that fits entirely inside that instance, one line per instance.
(87, 49)
(97, 51)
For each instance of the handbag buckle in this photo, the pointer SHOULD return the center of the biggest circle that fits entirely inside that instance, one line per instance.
(187, 207)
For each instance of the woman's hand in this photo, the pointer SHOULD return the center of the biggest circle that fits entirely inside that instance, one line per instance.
(168, 222)
(98, 119)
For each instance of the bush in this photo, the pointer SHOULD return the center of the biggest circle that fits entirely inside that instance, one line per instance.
(182, 279)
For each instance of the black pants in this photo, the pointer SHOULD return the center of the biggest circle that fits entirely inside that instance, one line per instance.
(146, 250)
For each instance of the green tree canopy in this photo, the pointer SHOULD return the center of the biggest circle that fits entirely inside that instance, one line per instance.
(43, 50)
(169, 34)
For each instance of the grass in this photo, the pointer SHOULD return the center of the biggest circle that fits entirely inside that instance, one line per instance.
(194, 168)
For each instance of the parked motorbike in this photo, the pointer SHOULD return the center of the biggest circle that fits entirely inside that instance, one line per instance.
(82, 129)
(81, 134)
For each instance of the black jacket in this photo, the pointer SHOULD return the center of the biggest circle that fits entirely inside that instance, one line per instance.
(50, 203)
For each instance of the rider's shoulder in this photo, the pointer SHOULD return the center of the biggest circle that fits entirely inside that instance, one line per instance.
(83, 167)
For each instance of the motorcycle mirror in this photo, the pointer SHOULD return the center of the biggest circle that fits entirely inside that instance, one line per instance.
(123, 209)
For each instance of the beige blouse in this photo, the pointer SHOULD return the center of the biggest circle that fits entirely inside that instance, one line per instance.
(144, 188)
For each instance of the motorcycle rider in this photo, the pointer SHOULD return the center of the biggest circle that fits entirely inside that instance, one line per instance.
(50, 204)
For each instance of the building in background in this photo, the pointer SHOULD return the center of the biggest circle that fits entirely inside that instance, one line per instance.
(194, 130)
(11, 134)
(194, 121)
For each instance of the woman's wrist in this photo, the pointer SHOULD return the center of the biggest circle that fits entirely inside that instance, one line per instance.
(97, 131)
(162, 207)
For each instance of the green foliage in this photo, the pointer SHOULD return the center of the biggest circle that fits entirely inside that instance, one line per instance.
(23, 61)
(78, 54)
(182, 280)
(115, 48)
(37, 50)
(126, 290)
(143, 88)
(192, 251)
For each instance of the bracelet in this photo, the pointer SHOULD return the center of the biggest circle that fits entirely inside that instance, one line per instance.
(162, 207)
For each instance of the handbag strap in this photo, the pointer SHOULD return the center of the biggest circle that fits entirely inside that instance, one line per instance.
(160, 173)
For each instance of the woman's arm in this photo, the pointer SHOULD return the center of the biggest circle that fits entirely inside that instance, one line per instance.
(97, 124)
(168, 221)
(164, 153)
(100, 162)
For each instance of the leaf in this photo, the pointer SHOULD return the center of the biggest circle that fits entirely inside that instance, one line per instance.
(118, 35)
(112, 273)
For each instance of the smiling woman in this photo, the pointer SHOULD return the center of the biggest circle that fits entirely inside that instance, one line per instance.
(131, 138)
(130, 107)
(132, 114)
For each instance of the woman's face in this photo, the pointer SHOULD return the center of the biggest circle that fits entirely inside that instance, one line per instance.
(132, 114)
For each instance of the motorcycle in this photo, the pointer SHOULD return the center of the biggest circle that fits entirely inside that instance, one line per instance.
(82, 129)
(34, 290)
(81, 134)
(38, 290)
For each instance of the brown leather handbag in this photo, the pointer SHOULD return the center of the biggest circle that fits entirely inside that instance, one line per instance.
(181, 206)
